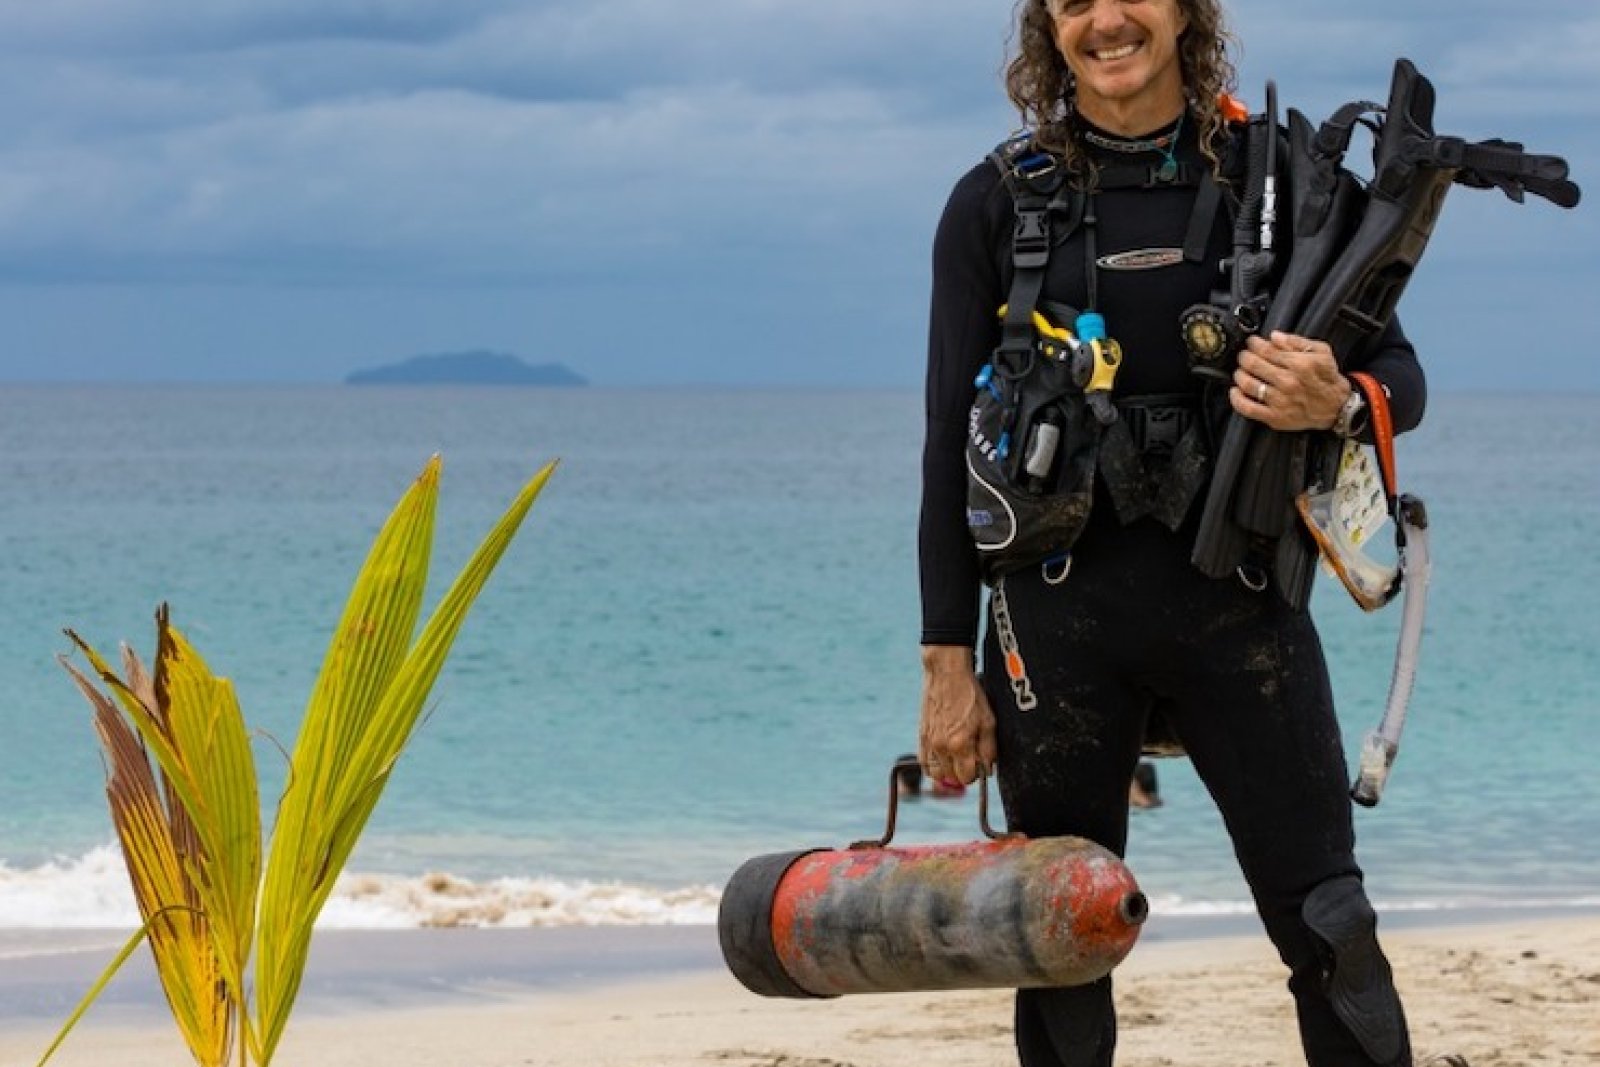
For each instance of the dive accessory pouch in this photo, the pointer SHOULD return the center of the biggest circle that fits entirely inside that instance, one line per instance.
(1032, 439)
(1343, 519)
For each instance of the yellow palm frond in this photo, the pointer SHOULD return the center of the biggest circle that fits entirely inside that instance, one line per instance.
(362, 712)
(209, 732)
(168, 900)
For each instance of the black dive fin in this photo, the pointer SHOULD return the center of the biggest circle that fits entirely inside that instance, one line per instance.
(1325, 197)
(1359, 293)
(1412, 173)
(1221, 544)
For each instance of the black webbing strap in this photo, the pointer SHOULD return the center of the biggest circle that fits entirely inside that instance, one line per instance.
(1498, 164)
(1034, 179)
(1091, 254)
(1333, 136)
(1153, 459)
(1030, 254)
(1202, 219)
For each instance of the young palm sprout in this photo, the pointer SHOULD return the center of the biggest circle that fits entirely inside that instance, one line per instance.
(221, 923)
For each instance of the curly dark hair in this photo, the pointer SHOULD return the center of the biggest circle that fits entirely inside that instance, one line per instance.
(1041, 85)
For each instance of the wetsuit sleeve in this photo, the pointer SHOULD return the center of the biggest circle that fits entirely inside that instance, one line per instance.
(1393, 362)
(962, 331)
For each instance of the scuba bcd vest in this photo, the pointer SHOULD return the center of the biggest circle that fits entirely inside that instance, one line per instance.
(1355, 249)
(1044, 422)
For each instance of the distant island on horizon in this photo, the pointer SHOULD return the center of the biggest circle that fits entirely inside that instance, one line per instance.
(477, 367)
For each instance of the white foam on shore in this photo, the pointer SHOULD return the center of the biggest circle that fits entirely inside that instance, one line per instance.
(92, 892)
(88, 892)
(377, 900)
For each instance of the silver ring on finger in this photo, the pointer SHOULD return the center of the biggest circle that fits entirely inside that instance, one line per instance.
(1261, 393)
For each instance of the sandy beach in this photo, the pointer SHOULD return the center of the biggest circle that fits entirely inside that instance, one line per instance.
(1502, 993)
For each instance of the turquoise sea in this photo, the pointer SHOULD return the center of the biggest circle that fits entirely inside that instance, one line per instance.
(704, 644)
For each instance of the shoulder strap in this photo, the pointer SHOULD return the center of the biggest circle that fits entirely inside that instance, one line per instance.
(1204, 216)
(1333, 136)
(1214, 195)
(1235, 153)
(1039, 190)
(1505, 166)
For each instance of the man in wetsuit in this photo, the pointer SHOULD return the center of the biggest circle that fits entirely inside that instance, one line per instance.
(1126, 626)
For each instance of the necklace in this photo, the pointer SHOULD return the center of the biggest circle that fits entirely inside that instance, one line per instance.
(1166, 144)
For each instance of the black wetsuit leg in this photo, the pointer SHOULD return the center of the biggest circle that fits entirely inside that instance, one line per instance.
(1243, 681)
(1064, 768)
(1248, 693)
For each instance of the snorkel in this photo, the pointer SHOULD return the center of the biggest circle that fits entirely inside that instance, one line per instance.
(1380, 747)
(1342, 521)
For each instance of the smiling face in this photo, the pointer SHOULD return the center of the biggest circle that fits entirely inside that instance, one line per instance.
(1124, 55)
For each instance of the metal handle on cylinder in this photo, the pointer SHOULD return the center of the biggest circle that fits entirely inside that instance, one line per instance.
(894, 806)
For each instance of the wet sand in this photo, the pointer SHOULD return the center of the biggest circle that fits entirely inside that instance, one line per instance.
(1507, 992)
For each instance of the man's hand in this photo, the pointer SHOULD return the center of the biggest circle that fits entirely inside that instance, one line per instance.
(957, 731)
(1289, 383)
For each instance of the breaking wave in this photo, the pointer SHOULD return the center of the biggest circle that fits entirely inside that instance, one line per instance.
(92, 892)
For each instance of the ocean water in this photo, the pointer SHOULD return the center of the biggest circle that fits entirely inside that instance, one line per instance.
(703, 645)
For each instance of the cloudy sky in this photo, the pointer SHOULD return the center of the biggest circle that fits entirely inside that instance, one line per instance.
(656, 192)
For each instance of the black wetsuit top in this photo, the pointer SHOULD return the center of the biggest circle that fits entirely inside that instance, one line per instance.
(971, 278)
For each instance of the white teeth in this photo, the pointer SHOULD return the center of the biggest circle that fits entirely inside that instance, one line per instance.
(1111, 54)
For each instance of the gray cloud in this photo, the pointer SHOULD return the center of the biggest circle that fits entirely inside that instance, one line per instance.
(497, 146)
(106, 29)
(786, 153)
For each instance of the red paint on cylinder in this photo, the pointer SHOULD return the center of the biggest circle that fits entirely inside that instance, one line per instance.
(1007, 913)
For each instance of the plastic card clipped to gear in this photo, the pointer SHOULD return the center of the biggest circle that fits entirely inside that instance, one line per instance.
(1345, 522)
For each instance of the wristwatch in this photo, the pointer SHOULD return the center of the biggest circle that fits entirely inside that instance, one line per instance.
(1352, 417)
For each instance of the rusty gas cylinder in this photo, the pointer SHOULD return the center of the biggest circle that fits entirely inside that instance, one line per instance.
(1008, 912)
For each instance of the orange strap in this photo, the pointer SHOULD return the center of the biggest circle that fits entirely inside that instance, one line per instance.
(1382, 432)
